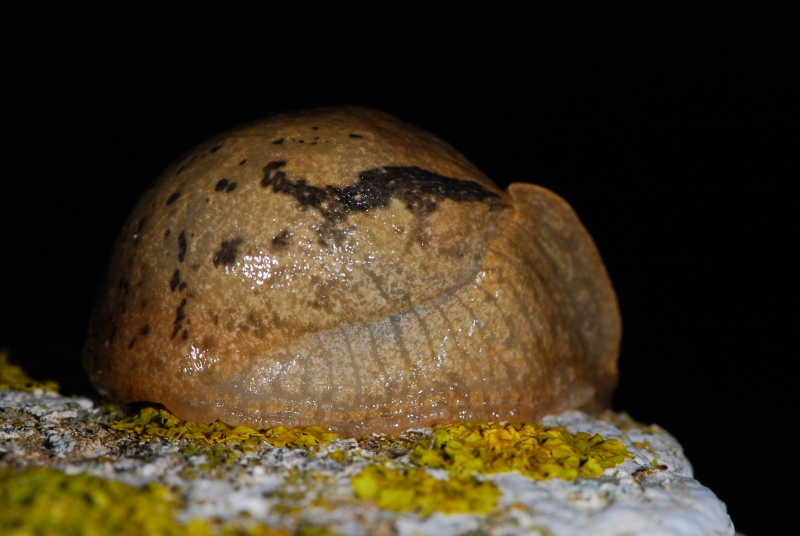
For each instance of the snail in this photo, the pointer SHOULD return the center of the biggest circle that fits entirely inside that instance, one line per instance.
(339, 267)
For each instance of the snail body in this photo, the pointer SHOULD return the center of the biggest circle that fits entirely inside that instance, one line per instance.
(338, 267)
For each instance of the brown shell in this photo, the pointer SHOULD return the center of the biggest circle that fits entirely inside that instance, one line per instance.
(338, 267)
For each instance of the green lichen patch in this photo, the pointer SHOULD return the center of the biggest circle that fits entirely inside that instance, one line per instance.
(536, 451)
(150, 422)
(413, 489)
(41, 500)
(14, 378)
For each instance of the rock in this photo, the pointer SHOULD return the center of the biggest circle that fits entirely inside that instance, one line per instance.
(249, 482)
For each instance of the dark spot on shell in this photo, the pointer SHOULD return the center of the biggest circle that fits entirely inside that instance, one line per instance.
(314, 128)
(282, 239)
(143, 304)
(301, 141)
(124, 286)
(419, 189)
(175, 281)
(182, 285)
(180, 169)
(221, 184)
(179, 316)
(195, 267)
(231, 187)
(215, 320)
(182, 245)
(356, 136)
(306, 195)
(173, 197)
(269, 168)
(254, 319)
(254, 325)
(145, 330)
(216, 148)
(130, 344)
(226, 255)
(166, 233)
(185, 334)
(243, 162)
(140, 225)
(277, 142)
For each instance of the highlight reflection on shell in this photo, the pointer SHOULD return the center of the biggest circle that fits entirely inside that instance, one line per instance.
(338, 267)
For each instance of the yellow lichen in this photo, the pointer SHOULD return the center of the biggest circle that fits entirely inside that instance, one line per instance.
(340, 456)
(534, 450)
(41, 500)
(219, 459)
(301, 489)
(314, 530)
(150, 422)
(413, 489)
(14, 378)
(463, 449)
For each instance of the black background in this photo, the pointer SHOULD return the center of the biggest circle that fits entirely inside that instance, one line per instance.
(671, 153)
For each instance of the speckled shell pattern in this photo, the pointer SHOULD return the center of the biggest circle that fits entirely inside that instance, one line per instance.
(338, 267)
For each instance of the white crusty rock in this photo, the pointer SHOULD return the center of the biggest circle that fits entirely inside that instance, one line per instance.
(652, 493)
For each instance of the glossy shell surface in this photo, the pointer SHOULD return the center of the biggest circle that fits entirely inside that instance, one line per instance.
(339, 267)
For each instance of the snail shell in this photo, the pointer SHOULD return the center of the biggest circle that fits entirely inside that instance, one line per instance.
(339, 267)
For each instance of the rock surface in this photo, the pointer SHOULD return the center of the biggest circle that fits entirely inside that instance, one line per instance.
(295, 488)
